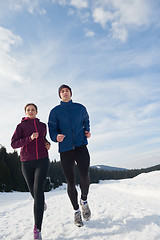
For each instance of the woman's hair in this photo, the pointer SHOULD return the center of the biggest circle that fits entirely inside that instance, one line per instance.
(28, 104)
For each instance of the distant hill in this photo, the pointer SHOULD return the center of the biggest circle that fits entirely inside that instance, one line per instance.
(108, 168)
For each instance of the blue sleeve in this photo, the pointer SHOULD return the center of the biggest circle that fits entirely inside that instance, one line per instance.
(53, 126)
(86, 121)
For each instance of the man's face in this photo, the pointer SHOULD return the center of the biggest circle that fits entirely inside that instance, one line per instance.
(65, 94)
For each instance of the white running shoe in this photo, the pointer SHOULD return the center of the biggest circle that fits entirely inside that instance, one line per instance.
(86, 212)
(77, 219)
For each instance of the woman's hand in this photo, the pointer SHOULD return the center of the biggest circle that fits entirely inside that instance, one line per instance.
(47, 145)
(60, 137)
(34, 135)
(87, 134)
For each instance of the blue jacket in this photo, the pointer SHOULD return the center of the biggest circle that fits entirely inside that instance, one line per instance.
(72, 120)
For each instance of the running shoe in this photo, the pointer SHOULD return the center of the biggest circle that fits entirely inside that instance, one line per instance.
(86, 212)
(77, 219)
(37, 234)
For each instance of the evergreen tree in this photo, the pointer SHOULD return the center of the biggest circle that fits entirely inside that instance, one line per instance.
(18, 183)
(56, 175)
(5, 179)
(11, 178)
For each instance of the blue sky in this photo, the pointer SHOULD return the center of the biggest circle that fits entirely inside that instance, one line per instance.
(107, 51)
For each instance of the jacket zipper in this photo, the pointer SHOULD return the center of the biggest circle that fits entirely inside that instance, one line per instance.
(71, 128)
(36, 139)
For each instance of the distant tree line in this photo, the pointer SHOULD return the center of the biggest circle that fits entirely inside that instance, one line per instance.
(11, 178)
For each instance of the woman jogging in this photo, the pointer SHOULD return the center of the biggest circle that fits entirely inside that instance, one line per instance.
(30, 136)
(69, 125)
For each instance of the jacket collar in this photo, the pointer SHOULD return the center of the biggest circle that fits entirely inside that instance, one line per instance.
(29, 119)
(66, 103)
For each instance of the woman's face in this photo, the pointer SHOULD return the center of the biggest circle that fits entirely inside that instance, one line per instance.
(65, 94)
(31, 111)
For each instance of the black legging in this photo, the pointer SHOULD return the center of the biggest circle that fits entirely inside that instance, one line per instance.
(35, 173)
(80, 155)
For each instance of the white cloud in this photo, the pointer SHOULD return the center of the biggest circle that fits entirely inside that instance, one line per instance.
(7, 38)
(70, 12)
(117, 17)
(75, 3)
(79, 3)
(133, 12)
(120, 16)
(60, 2)
(89, 33)
(10, 67)
(146, 58)
(119, 31)
(102, 16)
(150, 109)
(31, 5)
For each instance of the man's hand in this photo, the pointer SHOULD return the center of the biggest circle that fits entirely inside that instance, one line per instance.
(60, 137)
(87, 134)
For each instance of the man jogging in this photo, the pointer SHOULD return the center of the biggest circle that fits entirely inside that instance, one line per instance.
(69, 126)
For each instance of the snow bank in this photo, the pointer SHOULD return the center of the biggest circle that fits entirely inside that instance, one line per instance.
(127, 209)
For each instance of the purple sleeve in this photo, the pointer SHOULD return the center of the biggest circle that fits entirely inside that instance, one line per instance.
(17, 140)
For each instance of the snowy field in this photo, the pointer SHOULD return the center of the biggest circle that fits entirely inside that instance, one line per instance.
(121, 210)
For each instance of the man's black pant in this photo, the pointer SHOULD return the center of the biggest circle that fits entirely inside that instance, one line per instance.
(79, 155)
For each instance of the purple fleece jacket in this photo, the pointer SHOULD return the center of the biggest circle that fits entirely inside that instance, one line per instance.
(30, 150)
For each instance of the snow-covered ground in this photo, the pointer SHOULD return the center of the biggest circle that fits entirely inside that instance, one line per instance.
(121, 210)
